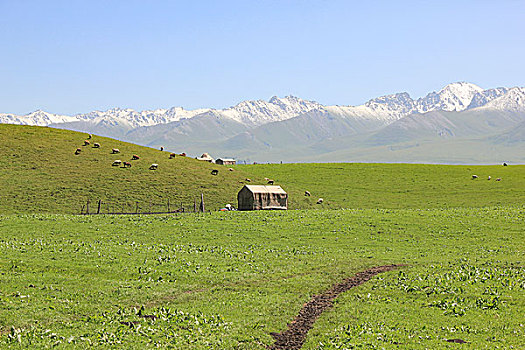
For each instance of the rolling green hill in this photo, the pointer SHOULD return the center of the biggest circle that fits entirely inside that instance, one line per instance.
(39, 172)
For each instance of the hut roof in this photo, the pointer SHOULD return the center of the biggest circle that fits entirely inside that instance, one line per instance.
(265, 189)
(206, 157)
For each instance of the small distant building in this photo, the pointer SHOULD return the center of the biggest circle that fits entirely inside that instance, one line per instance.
(205, 158)
(258, 197)
(225, 161)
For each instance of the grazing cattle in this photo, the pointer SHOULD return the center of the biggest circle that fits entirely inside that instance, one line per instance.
(320, 201)
(96, 145)
(77, 152)
(153, 166)
(504, 164)
(498, 179)
(489, 178)
(135, 157)
(172, 155)
(115, 150)
(117, 162)
(86, 143)
(182, 154)
(89, 136)
(127, 165)
(162, 149)
(214, 172)
(270, 182)
(307, 193)
(231, 169)
(474, 177)
(248, 180)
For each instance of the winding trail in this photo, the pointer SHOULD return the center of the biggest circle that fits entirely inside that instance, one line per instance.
(294, 337)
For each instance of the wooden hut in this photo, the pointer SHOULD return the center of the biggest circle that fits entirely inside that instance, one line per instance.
(225, 161)
(257, 197)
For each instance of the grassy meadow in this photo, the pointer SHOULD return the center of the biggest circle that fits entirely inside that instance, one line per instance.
(40, 173)
(367, 186)
(227, 280)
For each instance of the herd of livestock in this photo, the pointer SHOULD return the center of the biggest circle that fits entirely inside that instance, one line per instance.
(118, 162)
(154, 166)
(125, 164)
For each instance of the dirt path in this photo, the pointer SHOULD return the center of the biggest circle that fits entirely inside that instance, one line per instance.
(294, 337)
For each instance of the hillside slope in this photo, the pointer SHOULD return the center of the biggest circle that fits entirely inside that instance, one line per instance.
(39, 172)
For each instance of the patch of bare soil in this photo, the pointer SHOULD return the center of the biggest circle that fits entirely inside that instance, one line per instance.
(294, 337)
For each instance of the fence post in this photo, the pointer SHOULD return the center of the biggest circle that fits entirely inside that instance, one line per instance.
(202, 207)
(87, 207)
(168, 205)
(194, 205)
(98, 208)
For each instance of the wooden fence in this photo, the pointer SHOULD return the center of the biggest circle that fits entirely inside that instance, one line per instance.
(110, 207)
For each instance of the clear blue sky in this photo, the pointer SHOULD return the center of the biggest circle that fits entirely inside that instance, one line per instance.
(76, 56)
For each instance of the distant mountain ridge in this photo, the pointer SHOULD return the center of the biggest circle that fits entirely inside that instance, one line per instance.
(453, 97)
(294, 129)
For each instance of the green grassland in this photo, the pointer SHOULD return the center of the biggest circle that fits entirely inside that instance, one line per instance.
(361, 185)
(40, 173)
(226, 280)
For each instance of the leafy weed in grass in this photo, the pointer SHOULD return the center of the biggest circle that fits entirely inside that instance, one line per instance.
(256, 270)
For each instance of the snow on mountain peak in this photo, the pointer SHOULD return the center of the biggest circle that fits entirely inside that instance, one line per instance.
(484, 97)
(38, 117)
(396, 104)
(513, 100)
(453, 97)
(461, 87)
(258, 112)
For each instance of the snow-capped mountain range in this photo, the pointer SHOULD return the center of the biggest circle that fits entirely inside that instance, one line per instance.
(453, 97)
(461, 123)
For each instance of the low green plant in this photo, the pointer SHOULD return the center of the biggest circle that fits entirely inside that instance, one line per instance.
(227, 280)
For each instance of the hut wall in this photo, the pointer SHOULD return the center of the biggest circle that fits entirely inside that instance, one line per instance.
(245, 200)
(225, 162)
(269, 201)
